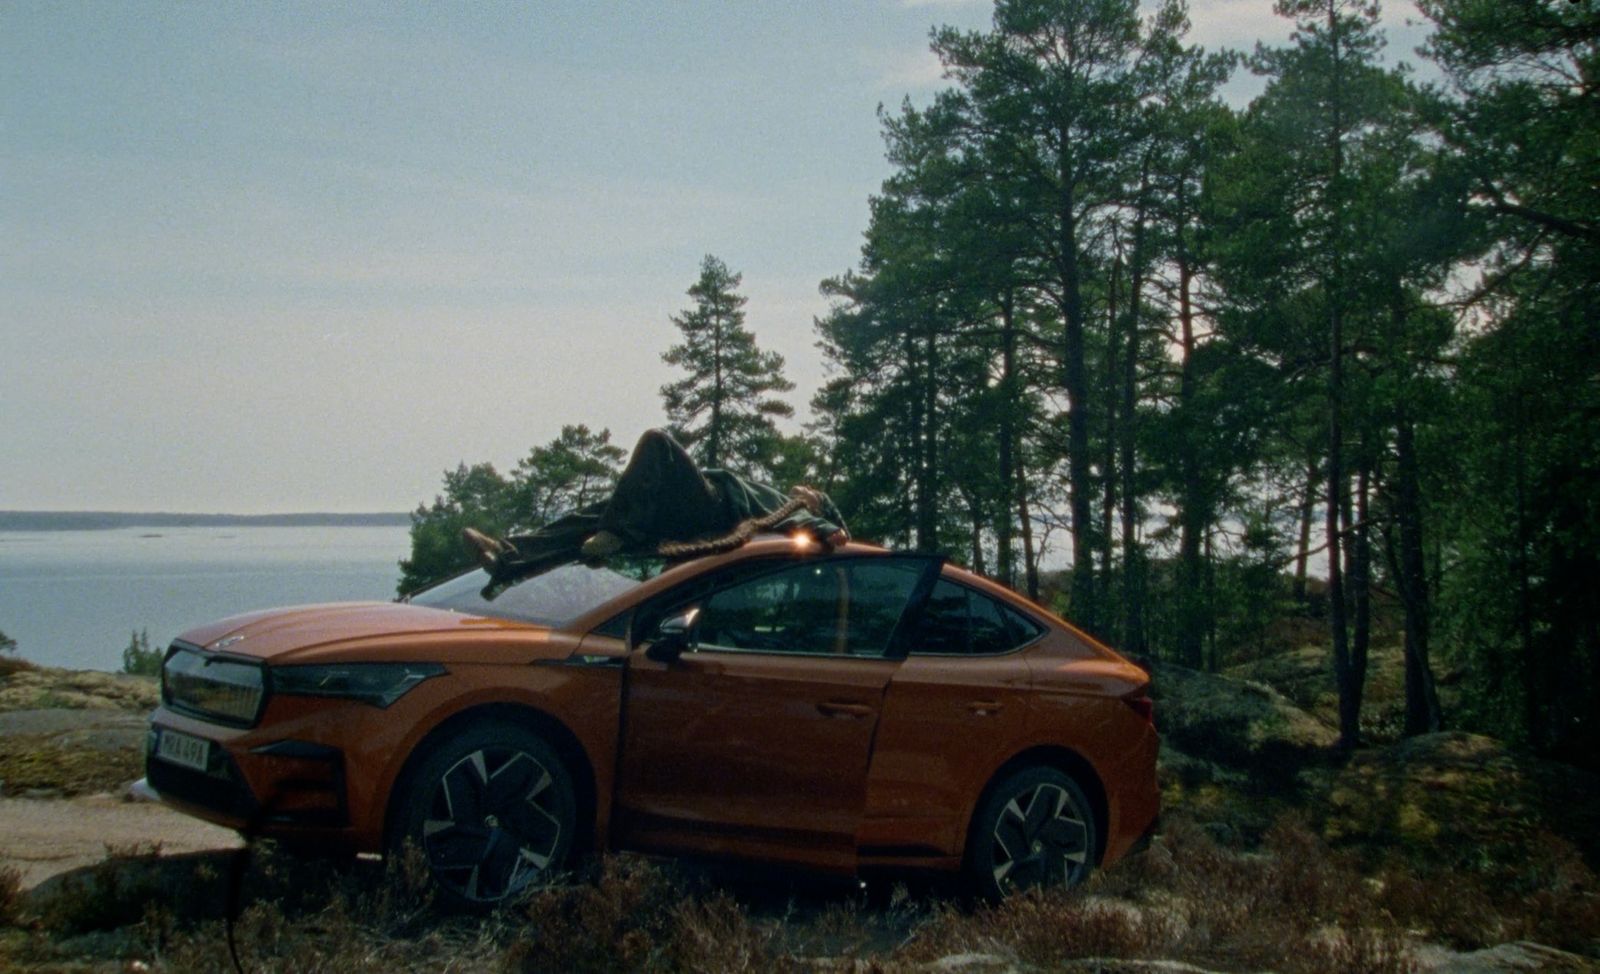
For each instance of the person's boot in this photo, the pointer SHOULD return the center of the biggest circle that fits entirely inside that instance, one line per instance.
(486, 549)
(601, 544)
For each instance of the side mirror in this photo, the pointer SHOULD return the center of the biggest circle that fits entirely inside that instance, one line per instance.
(672, 638)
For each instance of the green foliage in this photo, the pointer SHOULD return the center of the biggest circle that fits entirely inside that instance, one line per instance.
(1102, 319)
(723, 409)
(476, 496)
(139, 658)
(575, 469)
(7, 644)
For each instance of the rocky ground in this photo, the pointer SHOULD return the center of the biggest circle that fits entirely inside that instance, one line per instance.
(1448, 852)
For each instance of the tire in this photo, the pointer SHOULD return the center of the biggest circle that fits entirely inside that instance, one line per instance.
(1035, 829)
(492, 810)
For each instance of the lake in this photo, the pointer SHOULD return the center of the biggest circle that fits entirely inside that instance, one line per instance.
(71, 598)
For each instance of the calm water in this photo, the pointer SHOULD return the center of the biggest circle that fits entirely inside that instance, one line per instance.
(70, 598)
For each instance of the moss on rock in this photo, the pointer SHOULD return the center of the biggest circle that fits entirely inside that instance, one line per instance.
(1464, 799)
(47, 687)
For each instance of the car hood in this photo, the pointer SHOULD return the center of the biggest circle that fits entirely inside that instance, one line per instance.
(361, 631)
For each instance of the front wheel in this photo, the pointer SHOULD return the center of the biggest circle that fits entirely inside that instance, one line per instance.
(1035, 829)
(493, 812)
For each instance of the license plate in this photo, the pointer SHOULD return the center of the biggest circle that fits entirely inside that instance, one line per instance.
(184, 749)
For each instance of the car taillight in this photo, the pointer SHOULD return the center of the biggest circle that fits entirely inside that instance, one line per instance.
(1143, 706)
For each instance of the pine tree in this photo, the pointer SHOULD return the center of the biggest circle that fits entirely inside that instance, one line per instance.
(573, 470)
(723, 409)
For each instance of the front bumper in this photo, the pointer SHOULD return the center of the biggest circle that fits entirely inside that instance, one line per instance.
(289, 784)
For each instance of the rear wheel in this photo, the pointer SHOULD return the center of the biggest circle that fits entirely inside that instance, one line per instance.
(492, 811)
(1035, 829)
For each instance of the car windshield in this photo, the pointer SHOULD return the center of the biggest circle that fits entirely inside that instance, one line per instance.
(552, 598)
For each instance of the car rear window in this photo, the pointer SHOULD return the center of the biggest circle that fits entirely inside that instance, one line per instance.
(956, 621)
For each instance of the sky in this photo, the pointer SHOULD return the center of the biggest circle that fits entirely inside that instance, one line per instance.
(276, 257)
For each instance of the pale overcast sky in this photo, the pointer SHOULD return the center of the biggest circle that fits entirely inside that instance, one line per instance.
(284, 257)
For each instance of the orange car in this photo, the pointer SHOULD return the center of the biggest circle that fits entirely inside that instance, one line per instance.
(837, 710)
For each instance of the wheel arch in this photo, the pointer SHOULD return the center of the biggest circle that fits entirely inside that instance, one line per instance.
(1068, 762)
(550, 728)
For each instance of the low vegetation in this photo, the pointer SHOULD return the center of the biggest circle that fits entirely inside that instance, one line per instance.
(138, 658)
(1291, 903)
(46, 765)
(1277, 853)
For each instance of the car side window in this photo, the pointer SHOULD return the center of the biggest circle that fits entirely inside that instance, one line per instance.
(794, 610)
(960, 622)
(844, 607)
(943, 627)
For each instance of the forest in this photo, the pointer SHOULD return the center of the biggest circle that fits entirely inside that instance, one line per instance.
(1196, 375)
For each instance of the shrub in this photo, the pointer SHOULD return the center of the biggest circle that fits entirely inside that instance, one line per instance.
(10, 893)
(635, 916)
(138, 658)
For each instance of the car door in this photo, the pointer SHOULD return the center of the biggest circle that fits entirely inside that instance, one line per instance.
(953, 710)
(756, 741)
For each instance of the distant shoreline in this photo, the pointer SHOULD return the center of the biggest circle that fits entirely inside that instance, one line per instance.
(109, 520)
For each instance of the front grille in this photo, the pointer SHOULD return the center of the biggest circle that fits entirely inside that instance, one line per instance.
(222, 689)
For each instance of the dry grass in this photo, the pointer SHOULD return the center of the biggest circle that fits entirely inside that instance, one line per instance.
(30, 762)
(15, 664)
(1290, 904)
(10, 894)
(635, 916)
(113, 893)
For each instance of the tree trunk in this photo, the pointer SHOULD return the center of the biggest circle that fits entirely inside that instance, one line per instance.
(1192, 518)
(1360, 582)
(1083, 599)
(913, 449)
(1108, 459)
(928, 468)
(1004, 530)
(975, 515)
(1308, 507)
(1133, 635)
(1030, 559)
(1338, 627)
(1422, 699)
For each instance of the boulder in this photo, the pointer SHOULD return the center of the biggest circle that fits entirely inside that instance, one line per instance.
(1464, 798)
(1239, 723)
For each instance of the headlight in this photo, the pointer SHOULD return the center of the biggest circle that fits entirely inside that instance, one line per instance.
(378, 684)
(211, 686)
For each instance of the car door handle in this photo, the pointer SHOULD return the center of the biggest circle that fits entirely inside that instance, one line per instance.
(834, 708)
(984, 708)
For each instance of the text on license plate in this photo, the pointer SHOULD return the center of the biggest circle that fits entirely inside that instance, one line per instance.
(191, 752)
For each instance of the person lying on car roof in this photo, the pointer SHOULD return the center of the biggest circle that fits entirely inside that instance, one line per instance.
(663, 504)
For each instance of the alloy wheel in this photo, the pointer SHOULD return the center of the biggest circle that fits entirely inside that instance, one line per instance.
(492, 828)
(1040, 839)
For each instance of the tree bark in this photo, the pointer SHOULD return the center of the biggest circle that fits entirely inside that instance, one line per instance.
(1338, 626)
(1083, 598)
(1192, 518)
(1308, 507)
(1360, 555)
(928, 463)
(1030, 558)
(1422, 698)
(1133, 635)
(1108, 459)
(1004, 530)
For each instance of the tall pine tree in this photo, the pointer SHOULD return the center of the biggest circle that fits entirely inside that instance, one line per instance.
(723, 409)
